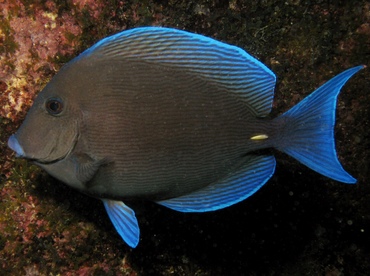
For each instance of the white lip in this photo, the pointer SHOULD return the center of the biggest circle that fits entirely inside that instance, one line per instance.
(14, 145)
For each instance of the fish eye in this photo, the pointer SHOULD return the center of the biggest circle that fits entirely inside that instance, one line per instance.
(54, 106)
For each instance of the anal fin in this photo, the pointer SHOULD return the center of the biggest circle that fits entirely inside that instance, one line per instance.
(251, 176)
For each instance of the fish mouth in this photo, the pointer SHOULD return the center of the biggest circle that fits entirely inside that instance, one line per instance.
(42, 162)
(17, 148)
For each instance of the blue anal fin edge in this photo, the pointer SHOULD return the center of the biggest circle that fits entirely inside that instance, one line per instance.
(254, 172)
(124, 220)
(308, 133)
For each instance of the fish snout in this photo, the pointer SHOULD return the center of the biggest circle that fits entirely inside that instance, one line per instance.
(15, 146)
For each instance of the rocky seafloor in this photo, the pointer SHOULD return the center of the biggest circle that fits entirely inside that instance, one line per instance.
(299, 223)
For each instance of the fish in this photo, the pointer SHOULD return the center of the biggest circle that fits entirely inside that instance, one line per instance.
(173, 117)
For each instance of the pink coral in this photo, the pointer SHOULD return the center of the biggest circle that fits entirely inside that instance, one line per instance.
(95, 7)
(38, 39)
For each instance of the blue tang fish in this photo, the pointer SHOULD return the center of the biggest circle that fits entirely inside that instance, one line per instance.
(173, 117)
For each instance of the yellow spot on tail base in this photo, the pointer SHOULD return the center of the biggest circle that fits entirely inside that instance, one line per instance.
(259, 137)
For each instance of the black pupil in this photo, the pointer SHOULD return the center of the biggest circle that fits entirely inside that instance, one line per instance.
(54, 106)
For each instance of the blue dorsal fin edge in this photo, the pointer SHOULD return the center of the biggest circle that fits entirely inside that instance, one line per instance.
(124, 220)
(308, 129)
(254, 172)
(226, 65)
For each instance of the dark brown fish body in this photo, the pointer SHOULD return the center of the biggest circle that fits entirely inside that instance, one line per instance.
(173, 117)
(155, 137)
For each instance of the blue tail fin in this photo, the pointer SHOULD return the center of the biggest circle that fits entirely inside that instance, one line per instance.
(308, 129)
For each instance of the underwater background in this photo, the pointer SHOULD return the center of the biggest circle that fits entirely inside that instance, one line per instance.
(299, 223)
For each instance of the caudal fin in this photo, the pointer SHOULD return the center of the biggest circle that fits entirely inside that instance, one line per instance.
(308, 129)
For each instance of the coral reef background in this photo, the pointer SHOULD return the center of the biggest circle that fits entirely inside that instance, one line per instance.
(300, 223)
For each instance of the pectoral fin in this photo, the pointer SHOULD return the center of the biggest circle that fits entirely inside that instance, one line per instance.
(86, 167)
(124, 220)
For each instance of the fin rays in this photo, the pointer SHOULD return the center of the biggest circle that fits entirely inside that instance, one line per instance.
(309, 129)
(226, 65)
(124, 220)
(251, 176)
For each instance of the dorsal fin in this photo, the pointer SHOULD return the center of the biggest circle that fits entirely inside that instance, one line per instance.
(226, 65)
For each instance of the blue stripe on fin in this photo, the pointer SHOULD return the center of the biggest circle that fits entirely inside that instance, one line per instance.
(308, 129)
(124, 220)
(254, 173)
(226, 65)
